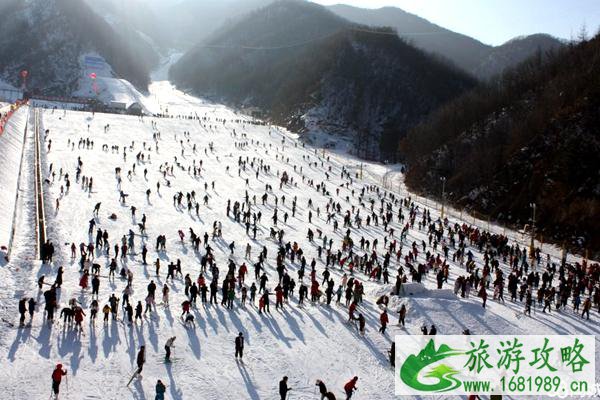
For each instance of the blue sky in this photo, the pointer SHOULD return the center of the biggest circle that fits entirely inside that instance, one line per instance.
(496, 21)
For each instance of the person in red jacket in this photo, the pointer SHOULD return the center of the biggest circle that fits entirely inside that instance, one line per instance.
(383, 318)
(314, 291)
(83, 282)
(79, 314)
(278, 297)
(351, 310)
(57, 375)
(350, 387)
(185, 306)
(242, 274)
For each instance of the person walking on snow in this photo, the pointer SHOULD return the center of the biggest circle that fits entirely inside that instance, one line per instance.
(483, 295)
(283, 388)
(57, 375)
(185, 306)
(322, 388)
(350, 387)
(22, 310)
(79, 314)
(31, 306)
(587, 304)
(402, 313)
(160, 390)
(165, 291)
(383, 318)
(239, 346)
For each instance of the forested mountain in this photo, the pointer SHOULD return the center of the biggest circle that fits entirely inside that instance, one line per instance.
(298, 61)
(48, 38)
(531, 137)
(514, 52)
(480, 60)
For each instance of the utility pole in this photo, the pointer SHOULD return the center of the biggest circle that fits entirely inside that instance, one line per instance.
(443, 179)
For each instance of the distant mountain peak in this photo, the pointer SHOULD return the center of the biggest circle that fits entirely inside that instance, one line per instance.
(480, 60)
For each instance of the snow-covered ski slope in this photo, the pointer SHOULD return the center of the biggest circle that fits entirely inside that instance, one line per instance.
(11, 149)
(304, 343)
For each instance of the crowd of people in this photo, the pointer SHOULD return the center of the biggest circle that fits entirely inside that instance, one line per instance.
(356, 233)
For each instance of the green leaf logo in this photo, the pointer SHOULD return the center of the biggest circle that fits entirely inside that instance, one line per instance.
(416, 364)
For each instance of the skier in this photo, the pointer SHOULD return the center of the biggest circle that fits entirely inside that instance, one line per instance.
(168, 346)
(57, 375)
(283, 388)
(239, 346)
(141, 359)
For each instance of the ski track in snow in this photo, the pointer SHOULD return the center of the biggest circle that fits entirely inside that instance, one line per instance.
(308, 343)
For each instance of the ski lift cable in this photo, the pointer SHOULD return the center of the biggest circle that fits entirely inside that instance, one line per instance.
(304, 43)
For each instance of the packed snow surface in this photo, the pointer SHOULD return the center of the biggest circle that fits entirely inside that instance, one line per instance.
(11, 148)
(305, 343)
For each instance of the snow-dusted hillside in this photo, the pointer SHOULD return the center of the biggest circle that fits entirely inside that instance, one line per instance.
(305, 343)
(47, 38)
(319, 69)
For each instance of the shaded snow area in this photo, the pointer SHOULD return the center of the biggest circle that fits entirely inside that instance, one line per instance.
(11, 149)
(306, 343)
